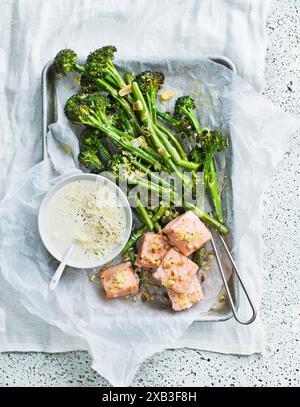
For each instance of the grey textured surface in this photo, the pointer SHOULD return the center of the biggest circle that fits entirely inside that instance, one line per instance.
(280, 365)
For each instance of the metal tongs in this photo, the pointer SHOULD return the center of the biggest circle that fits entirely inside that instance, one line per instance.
(231, 302)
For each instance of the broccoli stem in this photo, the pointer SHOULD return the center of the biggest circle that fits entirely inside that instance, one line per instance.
(139, 232)
(206, 218)
(127, 146)
(153, 176)
(193, 120)
(114, 93)
(130, 137)
(127, 124)
(121, 142)
(116, 76)
(209, 171)
(143, 213)
(174, 153)
(102, 148)
(174, 140)
(151, 97)
(145, 117)
(97, 164)
(169, 147)
(163, 192)
(127, 136)
(129, 78)
(110, 80)
(168, 118)
(100, 119)
(212, 184)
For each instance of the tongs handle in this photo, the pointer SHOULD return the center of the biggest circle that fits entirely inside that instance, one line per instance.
(254, 312)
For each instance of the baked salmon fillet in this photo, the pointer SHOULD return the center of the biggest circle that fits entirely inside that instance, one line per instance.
(119, 280)
(187, 299)
(187, 233)
(152, 250)
(176, 271)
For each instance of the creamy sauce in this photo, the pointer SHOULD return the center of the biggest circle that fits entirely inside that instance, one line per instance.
(90, 213)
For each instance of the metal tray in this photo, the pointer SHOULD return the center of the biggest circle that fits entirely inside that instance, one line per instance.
(220, 311)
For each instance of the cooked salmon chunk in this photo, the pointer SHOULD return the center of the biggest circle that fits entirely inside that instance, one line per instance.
(152, 250)
(187, 299)
(176, 271)
(187, 233)
(119, 280)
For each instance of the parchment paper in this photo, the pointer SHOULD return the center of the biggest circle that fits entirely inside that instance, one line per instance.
(121, 334)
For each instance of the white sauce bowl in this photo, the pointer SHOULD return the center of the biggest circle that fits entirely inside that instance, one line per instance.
(42, 220)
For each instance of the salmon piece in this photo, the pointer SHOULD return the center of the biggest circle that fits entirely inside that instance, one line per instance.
(152, 250)
(119, 280)
(187, 299)
(176, 271)
(187, 233)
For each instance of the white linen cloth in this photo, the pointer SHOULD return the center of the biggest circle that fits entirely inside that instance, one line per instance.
(33, 31)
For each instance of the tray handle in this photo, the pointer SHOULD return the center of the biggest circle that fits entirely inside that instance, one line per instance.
(231, 302)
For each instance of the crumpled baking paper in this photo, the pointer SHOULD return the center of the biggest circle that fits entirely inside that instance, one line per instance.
(121, 334)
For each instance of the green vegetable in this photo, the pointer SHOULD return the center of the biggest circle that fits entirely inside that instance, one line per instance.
(92, 137)
(143, 143)
(66, 61)
(184, 109)
(92, 112)
(88, 157)
(99, 64)
(150, 83)
(212, 142)
(123, 169)
(143, 213)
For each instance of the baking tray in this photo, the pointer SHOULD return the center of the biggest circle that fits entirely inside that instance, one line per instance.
(219, 312)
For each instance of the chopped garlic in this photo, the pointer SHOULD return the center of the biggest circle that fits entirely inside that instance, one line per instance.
(139, 142)
(165, 96)
(126, 90)
(138, 105)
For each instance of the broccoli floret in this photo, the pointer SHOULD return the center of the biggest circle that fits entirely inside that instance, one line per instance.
(183, 105)
(81, 108)
(88, 157)
(212, 141)
(99, 69)
(114, 114)
(184, 109)
(93, 137)
(87, 136)
(80, 114)
(65, 61)
(91, 111)
(118, 164)
(99, 64)
(74, 101)
(98, 102)
(149, 83)
(87, 85)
